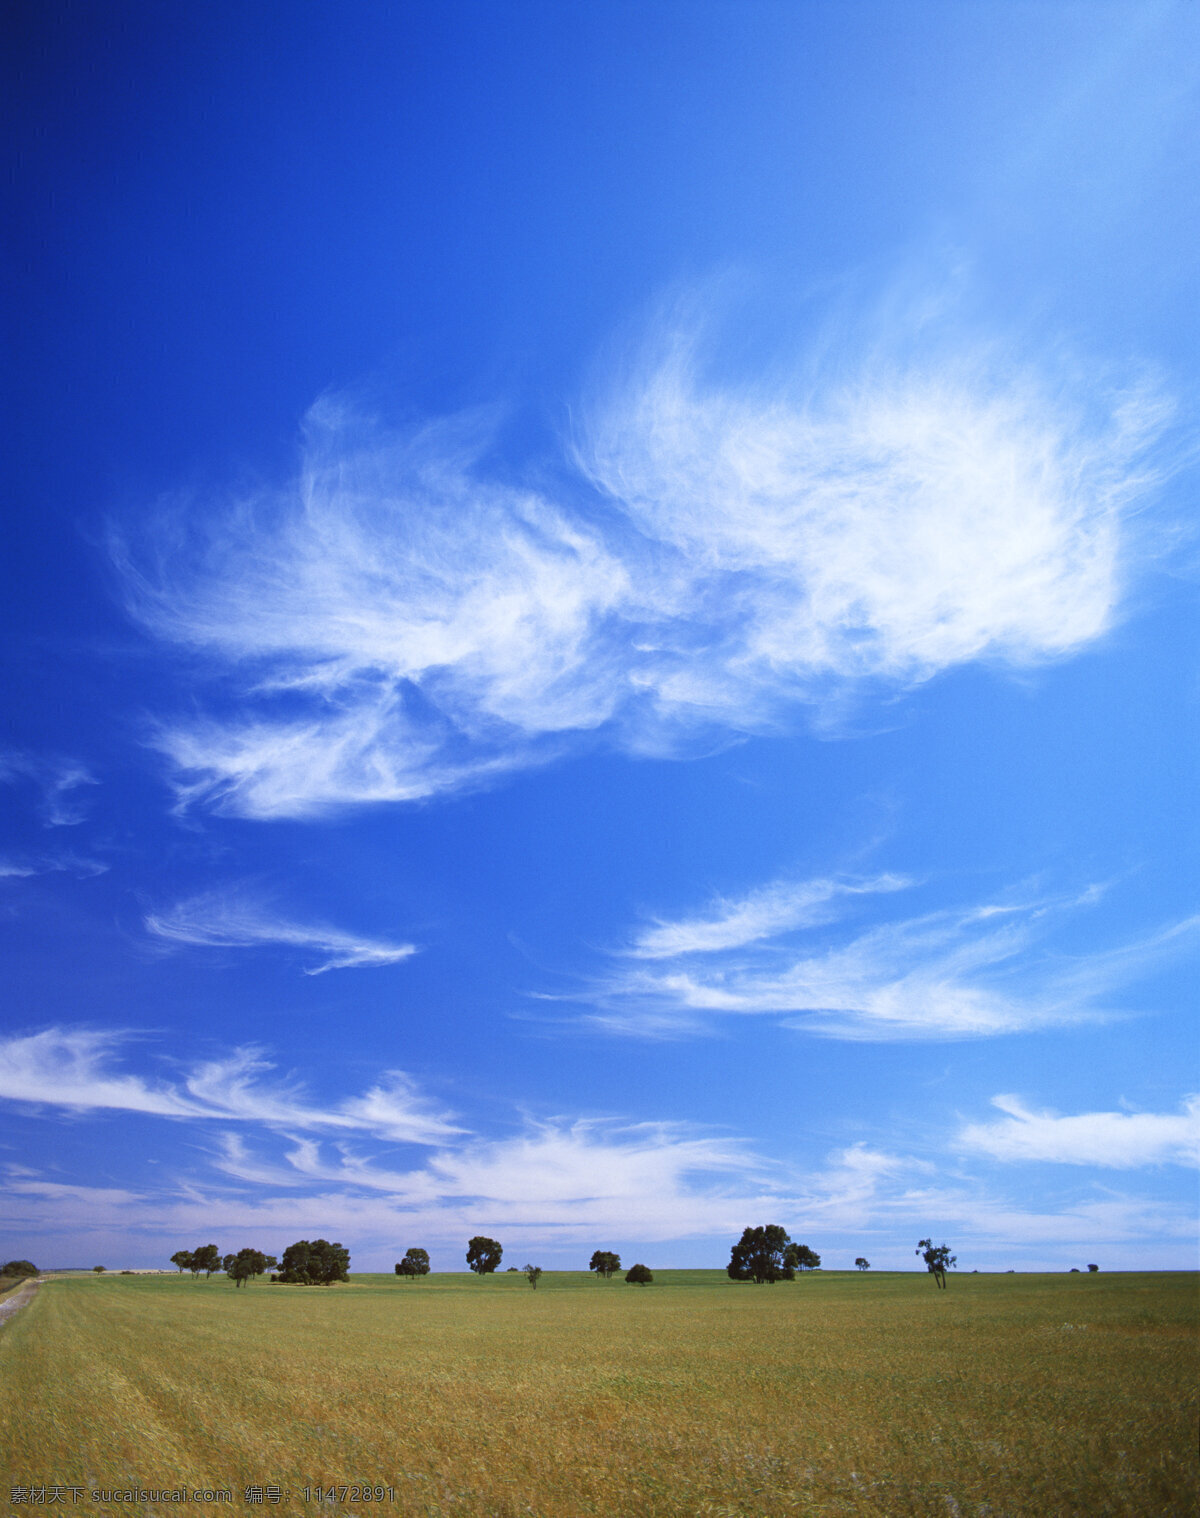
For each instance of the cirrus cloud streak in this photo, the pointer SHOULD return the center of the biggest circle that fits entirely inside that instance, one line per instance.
(76, 1068)
(226, 920)
(1115, 1140)
(402, 621)
(966, 972)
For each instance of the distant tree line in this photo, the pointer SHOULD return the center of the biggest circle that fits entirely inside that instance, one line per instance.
(764, 1254)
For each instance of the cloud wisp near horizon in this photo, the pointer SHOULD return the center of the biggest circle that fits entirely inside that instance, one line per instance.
(74, 1068)
(1117, 1140)
(560, 1181)
(401, 621)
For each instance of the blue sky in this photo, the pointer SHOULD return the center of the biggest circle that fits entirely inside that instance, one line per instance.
(600, 631)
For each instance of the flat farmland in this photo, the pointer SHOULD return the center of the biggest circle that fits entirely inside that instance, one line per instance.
(836, 1394)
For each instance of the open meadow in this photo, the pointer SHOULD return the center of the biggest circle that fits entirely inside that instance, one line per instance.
(836, 1394)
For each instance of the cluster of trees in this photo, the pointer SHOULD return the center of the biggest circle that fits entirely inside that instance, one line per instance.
(415, 1263)
(768, 1254)
(305, 1263)
(605, 1263)
(246, 1264)
(19, 1268)
(318, 1263)
(206, 1260)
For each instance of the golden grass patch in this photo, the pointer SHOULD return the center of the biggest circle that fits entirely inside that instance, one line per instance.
(693, 1398)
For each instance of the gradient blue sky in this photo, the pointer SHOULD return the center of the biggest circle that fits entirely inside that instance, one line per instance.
(600, 630)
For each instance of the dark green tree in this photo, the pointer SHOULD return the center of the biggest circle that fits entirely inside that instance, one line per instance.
(19, 1268)
(938, 1260)
(483, 1255)
(241, 1268)
(227, 1262)
(98, 1269)
(759, 1255)
(206, 1259)
(315, 1263)
(801, 1257)
(415, 1263)
(533, 1274)
(639, 1275)
(605, 1263)
(1092, 1269)
(863, 1264)
(182, 1260)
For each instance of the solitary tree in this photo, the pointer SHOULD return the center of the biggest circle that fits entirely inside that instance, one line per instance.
(639, 1275)
(533, 1274)
(98, 1270)
(182, 1260)
(801, 1257)
(245, 1265)
(414, 1263)
(863, 1264)
(759, 1255)
(605, 1263)
(1091, 1269)
(938, 1260)
(19, 1268)
(483, 1255)
(318, 1263)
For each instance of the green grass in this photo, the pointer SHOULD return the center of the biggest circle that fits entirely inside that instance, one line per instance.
(691, 1398)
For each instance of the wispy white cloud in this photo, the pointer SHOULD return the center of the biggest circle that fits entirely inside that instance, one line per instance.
(1116, 1140)
(764, 913)
(970, 972)
(58, 780)
(76, 1069)
(228, 920)
(561, 1177)
(562, 1186)
(401, 622)
(887, 521)
(278, 1166)
(432, 628)
(23, 867)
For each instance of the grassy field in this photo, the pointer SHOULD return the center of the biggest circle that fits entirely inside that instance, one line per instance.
(839, 1394)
